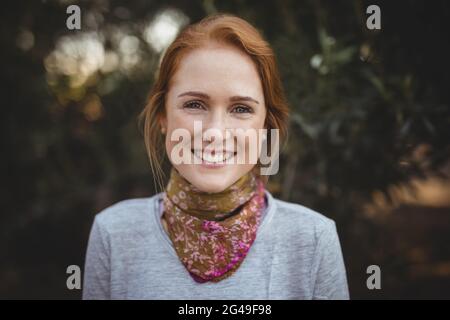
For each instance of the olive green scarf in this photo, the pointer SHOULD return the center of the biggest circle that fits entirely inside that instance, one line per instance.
(212, 232)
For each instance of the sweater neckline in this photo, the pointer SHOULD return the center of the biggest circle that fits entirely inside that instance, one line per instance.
(155, 206)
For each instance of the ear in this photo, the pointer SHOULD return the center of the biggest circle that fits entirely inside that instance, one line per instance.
(266, 127)
(266, 123)
(162, 120)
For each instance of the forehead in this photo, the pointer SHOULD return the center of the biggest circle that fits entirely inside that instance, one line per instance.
(217, 66)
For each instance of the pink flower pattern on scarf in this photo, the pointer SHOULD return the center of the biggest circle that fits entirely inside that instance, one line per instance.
(213, 233)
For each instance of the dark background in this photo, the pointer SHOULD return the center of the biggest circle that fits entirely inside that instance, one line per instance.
(368, 144)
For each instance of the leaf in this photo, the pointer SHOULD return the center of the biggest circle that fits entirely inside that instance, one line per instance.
(310, 130)
(345, 55)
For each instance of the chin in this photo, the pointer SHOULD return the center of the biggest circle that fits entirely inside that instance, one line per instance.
(209, 185)
(211, 180)
(208, 180)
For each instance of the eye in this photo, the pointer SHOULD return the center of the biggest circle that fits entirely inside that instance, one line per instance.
(242, 109)
(194, 105)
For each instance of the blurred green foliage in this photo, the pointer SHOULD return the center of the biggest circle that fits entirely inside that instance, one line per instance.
(363, 102)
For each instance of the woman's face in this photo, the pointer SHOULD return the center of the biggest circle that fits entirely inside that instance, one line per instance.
(218, 86)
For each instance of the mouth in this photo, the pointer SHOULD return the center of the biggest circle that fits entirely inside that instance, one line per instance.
(214, 157)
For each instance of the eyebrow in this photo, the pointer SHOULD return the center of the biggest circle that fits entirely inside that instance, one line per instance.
(205, 96)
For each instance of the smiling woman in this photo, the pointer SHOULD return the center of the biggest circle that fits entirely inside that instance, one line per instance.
(214, 232)
(206, 87)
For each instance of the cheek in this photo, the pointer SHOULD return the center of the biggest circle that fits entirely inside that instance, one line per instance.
(178, 120)
(178, 125)
(175, 119)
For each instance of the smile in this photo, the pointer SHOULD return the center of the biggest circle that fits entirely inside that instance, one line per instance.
(213, 157)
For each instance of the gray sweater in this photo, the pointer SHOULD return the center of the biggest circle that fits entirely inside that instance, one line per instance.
(296, 255)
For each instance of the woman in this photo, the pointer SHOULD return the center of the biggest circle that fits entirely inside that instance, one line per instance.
(215, 232)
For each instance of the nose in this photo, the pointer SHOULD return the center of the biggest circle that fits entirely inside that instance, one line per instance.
(216, 119)
(216, 124)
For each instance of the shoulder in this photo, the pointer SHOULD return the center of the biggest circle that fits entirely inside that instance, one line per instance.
(126, 214)
(301, 222)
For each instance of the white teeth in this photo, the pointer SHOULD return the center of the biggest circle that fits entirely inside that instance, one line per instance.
(198, 154)
(217, 157)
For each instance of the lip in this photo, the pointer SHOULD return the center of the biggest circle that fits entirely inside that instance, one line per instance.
(214, 165)
(219, 151)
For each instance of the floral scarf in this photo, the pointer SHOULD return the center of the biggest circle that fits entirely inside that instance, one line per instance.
(213, 232)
